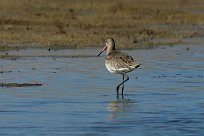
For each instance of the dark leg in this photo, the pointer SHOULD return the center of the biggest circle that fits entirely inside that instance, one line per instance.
(123, 85)
(117, 88)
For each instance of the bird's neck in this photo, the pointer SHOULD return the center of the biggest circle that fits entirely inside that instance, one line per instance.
(110, 50)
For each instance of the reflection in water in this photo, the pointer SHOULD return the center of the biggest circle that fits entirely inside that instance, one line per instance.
(119, 106)
(168, 100)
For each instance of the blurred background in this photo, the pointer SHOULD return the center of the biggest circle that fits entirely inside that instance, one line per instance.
(86, 23)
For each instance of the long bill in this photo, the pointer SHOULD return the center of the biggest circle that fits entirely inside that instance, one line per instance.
(102, 50)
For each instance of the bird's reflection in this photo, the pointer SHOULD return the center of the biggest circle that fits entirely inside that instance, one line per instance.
(119, 106)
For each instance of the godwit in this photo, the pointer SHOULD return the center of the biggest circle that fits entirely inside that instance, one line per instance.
(118, 62)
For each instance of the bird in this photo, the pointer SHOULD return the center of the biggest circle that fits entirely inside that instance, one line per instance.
(118, 62)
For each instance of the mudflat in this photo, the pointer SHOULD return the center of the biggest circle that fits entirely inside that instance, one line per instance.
(81, 24)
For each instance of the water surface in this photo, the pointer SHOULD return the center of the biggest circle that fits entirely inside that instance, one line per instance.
(78, 96)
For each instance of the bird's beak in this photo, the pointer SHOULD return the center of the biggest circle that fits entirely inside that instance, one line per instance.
(102, 50)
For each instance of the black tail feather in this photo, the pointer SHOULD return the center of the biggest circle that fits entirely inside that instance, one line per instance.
(138, 66)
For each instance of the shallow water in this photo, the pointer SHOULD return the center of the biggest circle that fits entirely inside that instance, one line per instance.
(78, 96)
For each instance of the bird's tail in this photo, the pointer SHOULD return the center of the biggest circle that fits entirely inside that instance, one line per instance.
(138, 65)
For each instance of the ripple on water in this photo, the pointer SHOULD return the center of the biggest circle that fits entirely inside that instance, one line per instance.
(78, 95)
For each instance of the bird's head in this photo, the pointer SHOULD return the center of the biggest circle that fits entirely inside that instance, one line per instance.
(109, 46)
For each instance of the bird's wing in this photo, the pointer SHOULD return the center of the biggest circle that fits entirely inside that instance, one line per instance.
(122, 60)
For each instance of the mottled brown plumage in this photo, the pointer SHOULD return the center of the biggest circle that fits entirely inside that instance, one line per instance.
(118, 62)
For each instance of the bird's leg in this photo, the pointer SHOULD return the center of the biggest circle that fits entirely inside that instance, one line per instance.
(123, 85)
(117, 88)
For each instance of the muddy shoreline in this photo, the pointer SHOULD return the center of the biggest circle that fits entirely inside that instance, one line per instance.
(33, 52)
(84, 24)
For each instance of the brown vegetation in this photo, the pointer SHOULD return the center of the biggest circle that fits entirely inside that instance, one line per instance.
(86, 23)
(19, 85)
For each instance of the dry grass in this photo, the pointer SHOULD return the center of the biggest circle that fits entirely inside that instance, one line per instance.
(86, 23)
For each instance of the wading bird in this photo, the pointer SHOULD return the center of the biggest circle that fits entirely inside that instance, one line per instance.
(118, 62)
